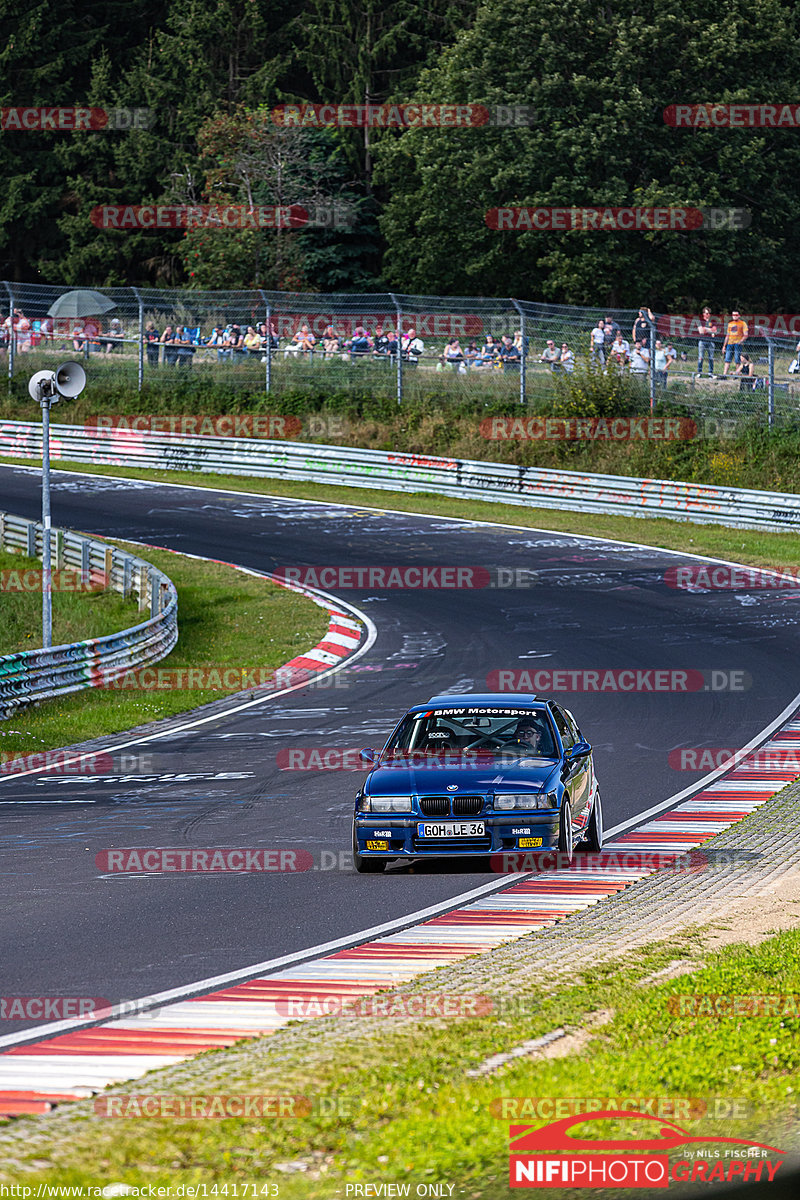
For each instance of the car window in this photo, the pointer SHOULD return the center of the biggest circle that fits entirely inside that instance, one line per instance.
(573, 724)
(467, 731)
(567, 736)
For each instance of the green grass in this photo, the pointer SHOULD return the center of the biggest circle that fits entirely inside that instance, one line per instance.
(400, 1107)
(77, 614)
(225, 619)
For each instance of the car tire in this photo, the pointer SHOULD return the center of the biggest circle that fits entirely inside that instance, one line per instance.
(364, 865)
(593, 842)
(565, 846)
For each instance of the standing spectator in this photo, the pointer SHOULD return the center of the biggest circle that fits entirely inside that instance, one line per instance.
(168, 342)
(641, 327)
(184, 347)
(22, 331)
(381, 341)
(640, 359)
(735, 337)
(707, 330)
(391, 343)
(550, 355)
(521, 343)
(597, 342)
(609, 335)
(663, 362)
(412, 347)
(252, 341)
(567, 359)
(152, 344)
(620, 350)
(235, 339)
(217, 341)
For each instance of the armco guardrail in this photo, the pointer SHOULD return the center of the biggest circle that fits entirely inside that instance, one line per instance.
(32, 675)
(351, 467)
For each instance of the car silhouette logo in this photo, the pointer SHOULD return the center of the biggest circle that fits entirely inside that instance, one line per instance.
(452, 787)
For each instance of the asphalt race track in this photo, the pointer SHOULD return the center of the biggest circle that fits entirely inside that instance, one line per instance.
(66, 929)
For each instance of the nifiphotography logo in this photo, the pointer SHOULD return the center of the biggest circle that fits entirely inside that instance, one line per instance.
(550, 1157)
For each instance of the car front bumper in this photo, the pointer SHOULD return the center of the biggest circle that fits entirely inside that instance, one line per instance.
(399, 837)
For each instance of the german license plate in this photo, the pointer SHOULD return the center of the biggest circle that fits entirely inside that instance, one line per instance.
(450, 829)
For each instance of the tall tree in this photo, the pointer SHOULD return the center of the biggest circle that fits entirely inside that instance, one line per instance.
(600, 79)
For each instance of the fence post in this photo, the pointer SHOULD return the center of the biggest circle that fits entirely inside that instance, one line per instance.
(11, 334)
(771, 383)
(399, 312)
(268, 373)
(137, 294)
(522, 375)
(652, 364)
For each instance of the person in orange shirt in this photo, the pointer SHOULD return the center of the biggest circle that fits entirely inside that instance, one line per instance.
(735, 337)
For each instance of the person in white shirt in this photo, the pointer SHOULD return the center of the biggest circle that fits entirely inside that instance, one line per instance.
(620, 349)
(598, 338)
(640, 359)
(567, 359)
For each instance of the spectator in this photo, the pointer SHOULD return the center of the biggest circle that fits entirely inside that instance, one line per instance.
(183, 347)
(252, 341)
(663, 362)
(510, 354)
(78, 339)
(46, 330)
(381, 341)
(361, 342)
(331, 343)
(152, 343)
(303, 342)
(218, 342)
(453, 354)
(470, 355)
(609, 335)
(745, 371)
(22, 331)
(567, 359)
(641, 327)
(235, 339)
(550, 355)
(521, 343)
(168, 342)
(91, 330)
(114, 337)
(640, 359)
(597, 342)
(735, 337)
(707, 330)
(488, 353)
(391, 348)
(620, 350)
(412, 347)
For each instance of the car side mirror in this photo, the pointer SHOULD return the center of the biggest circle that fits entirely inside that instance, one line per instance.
(578, 751)
(367, 755)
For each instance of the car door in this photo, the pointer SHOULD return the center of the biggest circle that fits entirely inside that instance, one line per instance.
(577, 778)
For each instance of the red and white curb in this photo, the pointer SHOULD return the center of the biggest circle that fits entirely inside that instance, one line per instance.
(37, 1076)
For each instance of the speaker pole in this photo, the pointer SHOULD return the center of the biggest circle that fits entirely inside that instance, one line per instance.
(47, 578)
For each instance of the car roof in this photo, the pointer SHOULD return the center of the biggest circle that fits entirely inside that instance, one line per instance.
(479, 699)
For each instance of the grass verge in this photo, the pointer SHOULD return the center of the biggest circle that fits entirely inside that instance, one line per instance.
(78, 613)
(226, 619)
(391, 1100)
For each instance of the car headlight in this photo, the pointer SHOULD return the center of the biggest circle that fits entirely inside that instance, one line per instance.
(384, 804)
(526, 800)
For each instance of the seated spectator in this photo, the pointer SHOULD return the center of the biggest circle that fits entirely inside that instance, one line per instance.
(331, 342)
(453, 355)
(252, 341)
(235, 339)
(152, 345)
(640, 359)
(218, 342)
(747, 374)
(360, 342)
(470, 355)
(488, 354)
(303, 342)
(392, 346)
(550, 355)
(620, 350)
(91, 331)
(411, 347)
(509, 353)
(114, 337)
(380, 341)
(567, 359)
(46, 330)
(78, 338)
(521, 343)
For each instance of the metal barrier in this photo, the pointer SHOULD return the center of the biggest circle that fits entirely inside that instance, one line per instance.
(32, 675)
(346, 466)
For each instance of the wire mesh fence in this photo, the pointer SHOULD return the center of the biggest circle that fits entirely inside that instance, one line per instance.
(407, 348)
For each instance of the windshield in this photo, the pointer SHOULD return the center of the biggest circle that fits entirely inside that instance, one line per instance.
(502, 732)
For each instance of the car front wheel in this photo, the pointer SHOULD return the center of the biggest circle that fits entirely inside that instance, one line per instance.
(364, 865)
(565, 830)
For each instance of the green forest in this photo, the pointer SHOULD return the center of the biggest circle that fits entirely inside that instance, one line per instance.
(597, 78)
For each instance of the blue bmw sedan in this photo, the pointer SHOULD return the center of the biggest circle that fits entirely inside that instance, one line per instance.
(478, 774)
